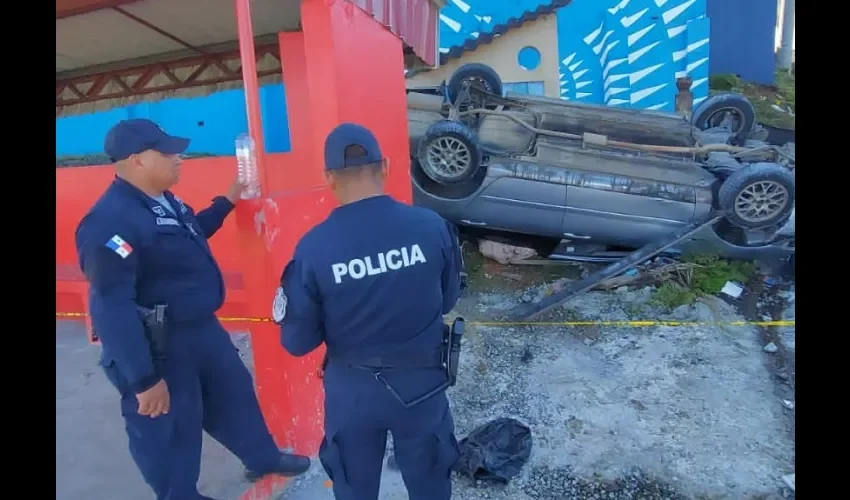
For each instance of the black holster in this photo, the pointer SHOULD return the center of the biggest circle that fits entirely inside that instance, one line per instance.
(452, 336)
(156, 332)
(446, 358)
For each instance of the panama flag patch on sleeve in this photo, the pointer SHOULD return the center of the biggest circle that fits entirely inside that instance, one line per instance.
(119, 246)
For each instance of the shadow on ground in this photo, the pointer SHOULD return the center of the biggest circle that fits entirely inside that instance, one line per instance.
(92, 459)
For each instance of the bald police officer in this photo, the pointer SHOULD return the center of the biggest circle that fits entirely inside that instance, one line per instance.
(141, 246)
(373, 282)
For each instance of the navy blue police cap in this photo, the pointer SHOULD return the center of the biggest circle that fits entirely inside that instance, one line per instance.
(131, 137)
(345, 139)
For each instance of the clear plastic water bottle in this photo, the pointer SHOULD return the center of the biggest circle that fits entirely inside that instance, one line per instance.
(246, 159)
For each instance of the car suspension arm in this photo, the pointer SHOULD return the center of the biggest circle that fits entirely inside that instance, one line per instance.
(603, 140)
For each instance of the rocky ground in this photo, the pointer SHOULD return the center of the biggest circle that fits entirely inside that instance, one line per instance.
(658, 412)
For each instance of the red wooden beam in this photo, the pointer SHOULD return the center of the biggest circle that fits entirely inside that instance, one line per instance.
(68, 8)
(138, 80)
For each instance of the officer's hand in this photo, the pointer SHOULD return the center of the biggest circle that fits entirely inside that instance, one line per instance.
(235, 190)
(154, 401)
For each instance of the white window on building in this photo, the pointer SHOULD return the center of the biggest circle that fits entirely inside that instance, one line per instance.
(528, 88)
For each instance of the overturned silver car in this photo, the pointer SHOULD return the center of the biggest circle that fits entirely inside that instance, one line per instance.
(604, 179)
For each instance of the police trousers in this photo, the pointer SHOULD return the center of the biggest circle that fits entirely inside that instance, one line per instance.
(211, 390)
(359, 411)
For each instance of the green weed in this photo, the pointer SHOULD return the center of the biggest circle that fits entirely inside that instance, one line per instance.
(671, 295)
(708, 276)
(763, 97)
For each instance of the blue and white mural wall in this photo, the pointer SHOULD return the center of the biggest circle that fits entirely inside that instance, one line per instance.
(630, 52)
(625, 53)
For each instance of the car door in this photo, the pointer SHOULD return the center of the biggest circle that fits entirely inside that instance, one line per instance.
(631, 206)
(521, 198)
(595, 213)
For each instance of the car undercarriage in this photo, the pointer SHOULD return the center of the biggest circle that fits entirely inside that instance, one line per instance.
(597, 177)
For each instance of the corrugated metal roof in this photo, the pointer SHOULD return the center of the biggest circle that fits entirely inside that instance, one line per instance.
(500, 29)
(414, 21)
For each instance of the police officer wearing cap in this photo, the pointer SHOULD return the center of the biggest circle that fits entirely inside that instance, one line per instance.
(373, 282)
(143, 249)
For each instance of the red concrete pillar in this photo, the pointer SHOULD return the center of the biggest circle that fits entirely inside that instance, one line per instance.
(356, 73)
(299, 171)
(342, 66)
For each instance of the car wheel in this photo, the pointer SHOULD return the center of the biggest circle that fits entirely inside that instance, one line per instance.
(729, 110)
(449, 153)
(757, 195)
(475, 74)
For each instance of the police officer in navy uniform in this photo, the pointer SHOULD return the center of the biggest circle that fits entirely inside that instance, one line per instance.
(373, 282)
(141, 246)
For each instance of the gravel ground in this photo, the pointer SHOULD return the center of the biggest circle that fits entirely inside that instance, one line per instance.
(627, 412)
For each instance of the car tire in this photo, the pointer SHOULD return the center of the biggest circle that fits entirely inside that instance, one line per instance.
(707, 114)
(483, 75)
(751, 181)
(453, 141)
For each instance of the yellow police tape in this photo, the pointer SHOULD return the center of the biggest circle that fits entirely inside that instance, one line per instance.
(634, 323)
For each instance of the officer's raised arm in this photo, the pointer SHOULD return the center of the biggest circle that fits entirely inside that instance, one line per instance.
(297, 309)
(211, 218)
(452, 269)
(107, 258)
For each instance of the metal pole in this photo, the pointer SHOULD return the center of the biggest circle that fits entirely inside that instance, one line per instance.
(252, 89)
(786, 48)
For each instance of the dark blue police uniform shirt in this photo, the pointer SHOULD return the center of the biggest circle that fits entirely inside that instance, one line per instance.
(134, 251)
(374, 278)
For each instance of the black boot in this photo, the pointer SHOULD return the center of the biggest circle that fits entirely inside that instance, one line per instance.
(289, 465)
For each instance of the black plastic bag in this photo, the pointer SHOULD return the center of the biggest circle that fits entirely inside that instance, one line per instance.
(495, 451)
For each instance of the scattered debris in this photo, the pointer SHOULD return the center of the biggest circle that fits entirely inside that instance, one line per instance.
(644, 254)
(658, 270)
(771, 348)
(733, 290)
(504, 253)
(780, 109)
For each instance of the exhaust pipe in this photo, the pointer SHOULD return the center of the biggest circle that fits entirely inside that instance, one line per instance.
(424, 102)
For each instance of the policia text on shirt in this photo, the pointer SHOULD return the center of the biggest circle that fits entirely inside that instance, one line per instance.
(392, 260)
